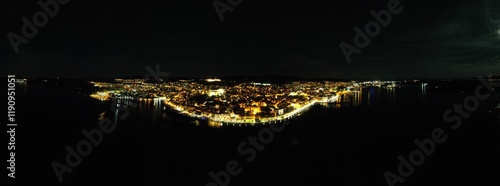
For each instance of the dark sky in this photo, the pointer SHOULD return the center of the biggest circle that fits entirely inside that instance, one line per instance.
(448, 38)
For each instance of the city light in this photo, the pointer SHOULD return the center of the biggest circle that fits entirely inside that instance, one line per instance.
(213, 80)
(244, 103)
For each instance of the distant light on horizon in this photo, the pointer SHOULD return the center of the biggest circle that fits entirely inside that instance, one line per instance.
(212, 80)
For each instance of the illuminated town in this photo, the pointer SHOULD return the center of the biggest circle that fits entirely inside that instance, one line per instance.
(243, 103)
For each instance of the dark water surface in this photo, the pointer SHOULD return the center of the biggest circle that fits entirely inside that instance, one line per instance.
(352, 143)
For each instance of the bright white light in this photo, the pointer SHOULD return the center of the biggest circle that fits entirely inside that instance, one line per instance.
(213, 80)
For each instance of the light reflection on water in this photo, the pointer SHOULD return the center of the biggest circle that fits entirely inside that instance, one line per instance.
(368, 96)
(156, 111)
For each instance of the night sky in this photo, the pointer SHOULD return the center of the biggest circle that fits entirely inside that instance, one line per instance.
(448, 38)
